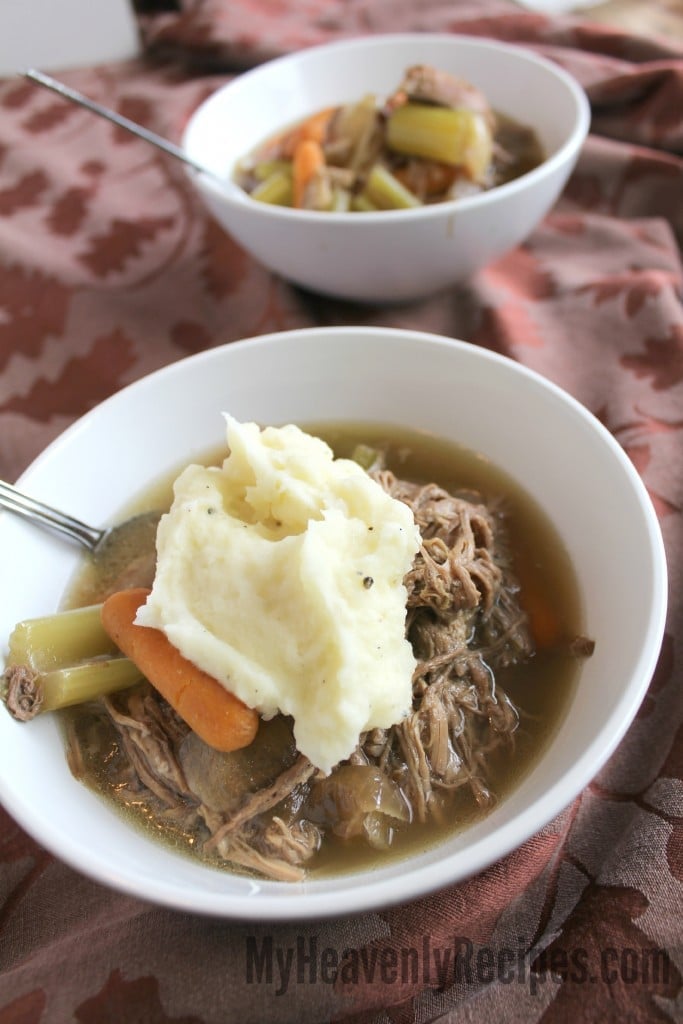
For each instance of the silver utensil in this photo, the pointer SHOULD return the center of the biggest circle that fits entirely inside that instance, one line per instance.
(67, 93)
(95, 540)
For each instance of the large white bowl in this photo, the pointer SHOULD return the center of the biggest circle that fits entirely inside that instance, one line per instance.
(390, 255)
(556, 449)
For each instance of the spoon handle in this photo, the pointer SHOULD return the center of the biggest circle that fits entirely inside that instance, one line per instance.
(14, 501)
(39, 78)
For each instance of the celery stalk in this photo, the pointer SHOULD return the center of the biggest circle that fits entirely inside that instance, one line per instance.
(276, 189)
(366, 456)
(63, 659)
(386, 192)
(76, 684)
(341, 200)
(65, 638)
(456, 137)
(361, 204)
(265, 169)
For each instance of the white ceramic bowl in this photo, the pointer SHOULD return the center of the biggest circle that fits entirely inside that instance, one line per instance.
(390, 255)
(557, 450)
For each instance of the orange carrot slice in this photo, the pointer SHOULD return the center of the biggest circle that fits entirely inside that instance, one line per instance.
(546, 628)
(313, 128)
(308, 160)
(217, 716)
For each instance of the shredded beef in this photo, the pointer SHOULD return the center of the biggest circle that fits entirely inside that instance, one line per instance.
(23, 696)
(464, 621)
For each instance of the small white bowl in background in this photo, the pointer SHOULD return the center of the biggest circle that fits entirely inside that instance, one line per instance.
(557, 450)
(399, 254)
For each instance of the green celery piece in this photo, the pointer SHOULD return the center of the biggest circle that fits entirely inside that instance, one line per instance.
(386, 192)
(455, 137)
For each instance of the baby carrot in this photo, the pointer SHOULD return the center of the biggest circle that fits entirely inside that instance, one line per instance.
(545, 626)
(215, 714)
(314, 128)
(308, 160)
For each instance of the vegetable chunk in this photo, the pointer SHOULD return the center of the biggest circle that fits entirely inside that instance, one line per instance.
(216, 715)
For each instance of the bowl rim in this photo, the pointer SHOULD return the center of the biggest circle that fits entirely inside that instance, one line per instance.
(317, 898)
(232, 193)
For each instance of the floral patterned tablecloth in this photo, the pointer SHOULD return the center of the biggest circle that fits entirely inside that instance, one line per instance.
(109, 268)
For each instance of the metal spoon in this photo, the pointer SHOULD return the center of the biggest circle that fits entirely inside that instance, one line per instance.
(39, 78)
(97, 541)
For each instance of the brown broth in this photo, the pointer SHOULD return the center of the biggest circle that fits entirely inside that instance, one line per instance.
(541, 688)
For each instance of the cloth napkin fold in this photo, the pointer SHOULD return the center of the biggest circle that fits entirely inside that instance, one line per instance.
(110, 268)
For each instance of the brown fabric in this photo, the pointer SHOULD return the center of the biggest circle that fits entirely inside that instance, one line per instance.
(109, 268)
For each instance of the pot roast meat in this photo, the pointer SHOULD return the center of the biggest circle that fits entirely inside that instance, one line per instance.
(149, 732)
(23, 697)
(279, 851)
(455, 568)
(425, 84)
(265, 799)
(155, 760)
(224, 781)
(464, 621)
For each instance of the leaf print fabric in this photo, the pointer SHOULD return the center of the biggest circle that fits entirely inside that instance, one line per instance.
(110, 268)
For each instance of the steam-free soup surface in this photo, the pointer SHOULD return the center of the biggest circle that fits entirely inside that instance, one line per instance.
(539, 687)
